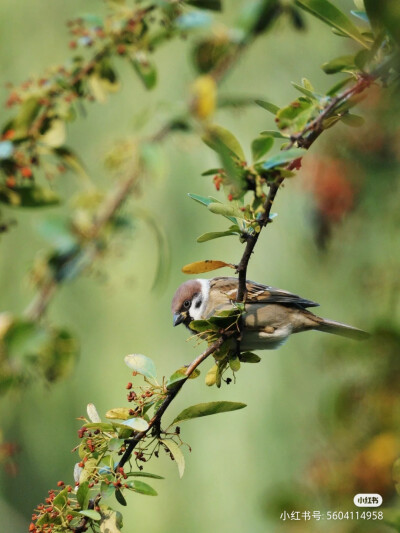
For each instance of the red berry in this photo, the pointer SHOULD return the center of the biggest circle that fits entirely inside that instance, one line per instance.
(60, 483)
(11, 182)
(9, 134)
(26, 172)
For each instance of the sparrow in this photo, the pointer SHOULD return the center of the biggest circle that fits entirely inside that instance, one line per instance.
(271, 315)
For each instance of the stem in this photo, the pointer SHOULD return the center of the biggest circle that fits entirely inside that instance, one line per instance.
(171, 395)
(314, 130)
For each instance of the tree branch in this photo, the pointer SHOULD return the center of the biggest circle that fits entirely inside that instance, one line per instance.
(37, 308)
(171, 395)
(307, 136)
(156, 419)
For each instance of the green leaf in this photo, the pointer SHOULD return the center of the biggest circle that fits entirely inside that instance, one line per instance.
(294, 117)
(257, 17)
(213, 5)
(102, 426)
(331, 15)
(384, 13)
(115, 444)
(201, 199)
(61, 499)
(63, 351)
(141, 488)
(177, 453)
(234, 363)
(23, 338)
(272, 108)
(206, 409)
(275, 134)
(27, 113)
(249, 357)
(208, 201)
(216, 235)
(138, 424)
(339, 64)
(32, 196)
(354, 121)
(82, 494)
(284, 157)
(375, 12)
(218, 137)
(307, 92)
(202, 325)
(180, 375)
(145, 70)
(228, 211)
(362, 58)
(261, 146)
(141, 364)
(91, 513)
(211, 172)
(120, 498)
(144, 474)
(106, 490)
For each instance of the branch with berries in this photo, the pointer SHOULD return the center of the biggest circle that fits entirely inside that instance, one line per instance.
(97, 221)
(113, 453)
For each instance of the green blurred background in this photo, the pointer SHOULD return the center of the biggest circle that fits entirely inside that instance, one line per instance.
(312, 405)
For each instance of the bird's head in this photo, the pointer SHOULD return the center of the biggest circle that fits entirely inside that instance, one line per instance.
(189, 301)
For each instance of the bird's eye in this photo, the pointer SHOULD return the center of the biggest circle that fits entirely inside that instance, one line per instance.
(186, 304)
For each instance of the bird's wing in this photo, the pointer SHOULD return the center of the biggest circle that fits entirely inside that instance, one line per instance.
(258, 293)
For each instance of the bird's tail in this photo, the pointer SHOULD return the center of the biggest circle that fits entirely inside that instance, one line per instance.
(337, 328)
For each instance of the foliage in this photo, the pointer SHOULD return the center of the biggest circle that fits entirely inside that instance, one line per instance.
(33, 152)
(102, 473)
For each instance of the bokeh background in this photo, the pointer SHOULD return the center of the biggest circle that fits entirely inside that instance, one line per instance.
(322, 418)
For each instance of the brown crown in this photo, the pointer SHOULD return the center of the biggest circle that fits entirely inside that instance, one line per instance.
(186, 291)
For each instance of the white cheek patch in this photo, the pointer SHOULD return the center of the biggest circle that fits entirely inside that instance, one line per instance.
(199, 303)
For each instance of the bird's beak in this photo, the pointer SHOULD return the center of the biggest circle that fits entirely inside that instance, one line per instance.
(178, 318)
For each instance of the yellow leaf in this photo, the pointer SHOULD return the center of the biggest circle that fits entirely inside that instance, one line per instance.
(211, 376)
(204, 266)
(55, 136)
(119, 413)
(204, 91)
